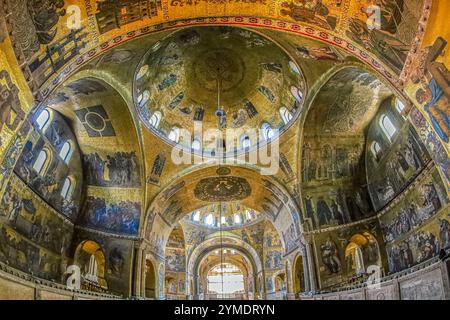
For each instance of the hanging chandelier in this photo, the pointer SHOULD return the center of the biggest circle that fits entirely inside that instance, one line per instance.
(220, 112)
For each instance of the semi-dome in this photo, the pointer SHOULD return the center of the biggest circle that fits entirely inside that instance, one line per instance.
(217, 78)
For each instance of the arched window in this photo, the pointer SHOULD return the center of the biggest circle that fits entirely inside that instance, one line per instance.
(196, 144)
(41, 162)
(155, 120)
(196, 216)
(376, 149)
(142, 72)
(43, 120)
(294, 67)
(267, 131)
(143, 97)
(297, 93)
(209, 220)
(174, 135)
(66, 152)
(399, 105)
(387, 126)
(237, 219)
(245, 141)
(67, 189)
(286, 115)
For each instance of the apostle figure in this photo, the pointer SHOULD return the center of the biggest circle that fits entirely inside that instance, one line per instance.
(438, 108)
(330, 256)
(323, 212)
(45, 16)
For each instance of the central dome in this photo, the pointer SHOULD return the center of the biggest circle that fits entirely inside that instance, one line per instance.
(220, 66)
(183, 79)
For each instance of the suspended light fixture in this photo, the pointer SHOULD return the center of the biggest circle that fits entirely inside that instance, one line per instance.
(220, 112)
(221, 248)
(222, 124)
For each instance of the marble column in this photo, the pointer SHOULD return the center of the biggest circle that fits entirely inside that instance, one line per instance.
(310, 264)
(305, 266)
(138, 253)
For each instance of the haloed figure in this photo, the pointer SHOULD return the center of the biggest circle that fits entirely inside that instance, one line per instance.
(438, 108)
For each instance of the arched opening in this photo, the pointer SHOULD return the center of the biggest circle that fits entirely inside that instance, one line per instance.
(299, 276)
(400, 106)
(361, 253)
(294, 67)
(155, 120)
(170, 286)
(142, 72)
(246, 143)
(143, 97)
(388, 127)
(213, 254)
(68, 188)
(43, 120)
(150, 280)
(89, 256)
(196, 144)
(267, 131)
(297, 94)
(225, 280)
(286, 115)
(41, 163)
(225, 273)
(174, 135)
(175, 267)
(66, 152)
(202, 224)
(280, 283)
(209, 220)
(376, 150)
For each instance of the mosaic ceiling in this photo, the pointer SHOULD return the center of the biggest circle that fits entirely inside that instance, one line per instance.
(183, 79)
(118, 77)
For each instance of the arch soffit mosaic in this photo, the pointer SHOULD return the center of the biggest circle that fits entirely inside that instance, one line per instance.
(251, 16)
(262, 193)
(205, 249)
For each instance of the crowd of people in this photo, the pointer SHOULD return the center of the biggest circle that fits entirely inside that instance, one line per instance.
(420, 247)
(413, 215)
(122, 217)
(120, 169)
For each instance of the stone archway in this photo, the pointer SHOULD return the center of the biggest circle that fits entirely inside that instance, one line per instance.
(90, 257)
(200, 264)
(299, 275)
(150, 280)
(186, 194)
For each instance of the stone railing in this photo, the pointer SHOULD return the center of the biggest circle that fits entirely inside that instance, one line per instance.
(425, 281)
(278, 295)
(18, 285)
(176, 297)
(231, 296)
